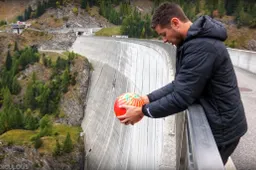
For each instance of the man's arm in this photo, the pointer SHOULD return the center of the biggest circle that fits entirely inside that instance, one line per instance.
(159, 93)
(188, 85)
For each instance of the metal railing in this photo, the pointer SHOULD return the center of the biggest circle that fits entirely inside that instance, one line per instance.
(196, 147)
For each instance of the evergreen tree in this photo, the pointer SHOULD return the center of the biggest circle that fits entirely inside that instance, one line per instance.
(57, 149)
(30, 96)
(15, 118)
(38, 143)
(34, 77)
(197, 7)
(68, 146)
(231, 6)
(83, 4)
(8, 62)
(45, 126)
(11, 117)
(102, 8)
(65, 80)
(221, 8)
(26, 15)
(31, 123)
(20, 18)
(3, 122)
(29, 12)
(15, 67)
(147, 29)
(7, 101)
(28, 56)
(61, 63)
(6, 78)
(16, 48)
(15, 88)
(44, 101)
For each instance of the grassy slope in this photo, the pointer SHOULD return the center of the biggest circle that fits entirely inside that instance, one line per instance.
(109, 31)
(22, 137)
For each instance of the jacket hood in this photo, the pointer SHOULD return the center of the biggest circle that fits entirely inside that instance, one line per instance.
(207, 27)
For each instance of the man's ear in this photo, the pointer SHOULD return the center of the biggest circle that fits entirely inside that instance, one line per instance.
(175, 22)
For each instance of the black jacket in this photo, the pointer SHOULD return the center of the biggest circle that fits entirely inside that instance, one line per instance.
(204, 75)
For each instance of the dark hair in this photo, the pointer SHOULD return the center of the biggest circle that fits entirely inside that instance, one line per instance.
(165, 12)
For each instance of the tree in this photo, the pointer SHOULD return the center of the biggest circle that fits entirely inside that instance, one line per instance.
(65, 80)
(133, 25)
(44, 101)
(57, 149)
(16, 48)
(38, 143)
(61, 63)
(29, 12)
(11, 117)
(15, 67)
(7, 102)
(102, 8)
(26, 15)
(30, 96)
(83, 4)
(34, 77)
(20, 18)
(231, 5)
(45, 126)
(31, 123)
(147, 27)
(28, 56)
(15, 118)
(3, 122)
(68, 146)
(221, 8)
(40, 9)
(8, 61)
(15, 88)
(197, 6)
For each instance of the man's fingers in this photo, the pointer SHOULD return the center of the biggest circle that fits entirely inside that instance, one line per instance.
(122, 116)
(125, 106)
(124, 121)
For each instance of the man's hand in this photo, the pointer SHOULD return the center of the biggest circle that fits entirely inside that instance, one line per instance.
(145, 99)
(133, 115)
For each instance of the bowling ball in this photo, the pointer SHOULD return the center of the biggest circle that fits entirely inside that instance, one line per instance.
(131, 99)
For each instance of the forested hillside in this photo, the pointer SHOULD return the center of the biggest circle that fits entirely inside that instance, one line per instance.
(134, 16)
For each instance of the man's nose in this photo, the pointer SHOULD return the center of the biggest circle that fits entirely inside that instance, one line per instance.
(165, 40)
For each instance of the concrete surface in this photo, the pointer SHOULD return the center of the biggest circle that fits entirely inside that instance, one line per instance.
(230, 165)
(244, 156)
(126, 66)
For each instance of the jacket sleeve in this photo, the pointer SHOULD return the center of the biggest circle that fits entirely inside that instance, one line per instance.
(159, 93)
(188, 85)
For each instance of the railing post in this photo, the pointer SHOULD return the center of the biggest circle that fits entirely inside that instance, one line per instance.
(195, 144)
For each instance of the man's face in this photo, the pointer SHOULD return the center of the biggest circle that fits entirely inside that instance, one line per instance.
(170, 33)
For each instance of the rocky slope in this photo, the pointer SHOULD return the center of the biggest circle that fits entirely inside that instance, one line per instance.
(74, 101)
(23, 157)
(72, 109)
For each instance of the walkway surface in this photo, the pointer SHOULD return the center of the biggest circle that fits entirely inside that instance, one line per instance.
(244, 156)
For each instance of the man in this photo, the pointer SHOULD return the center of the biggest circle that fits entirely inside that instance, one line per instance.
(204, 75)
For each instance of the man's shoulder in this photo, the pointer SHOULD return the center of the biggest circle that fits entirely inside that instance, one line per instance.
(210, 45)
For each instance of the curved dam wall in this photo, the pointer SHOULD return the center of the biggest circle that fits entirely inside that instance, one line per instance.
(243, 59)
(126, 65)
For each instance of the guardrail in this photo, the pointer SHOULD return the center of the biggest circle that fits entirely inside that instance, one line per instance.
(243, 59)
(196, 147)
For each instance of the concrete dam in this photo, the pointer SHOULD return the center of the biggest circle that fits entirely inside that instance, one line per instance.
(119, 66)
